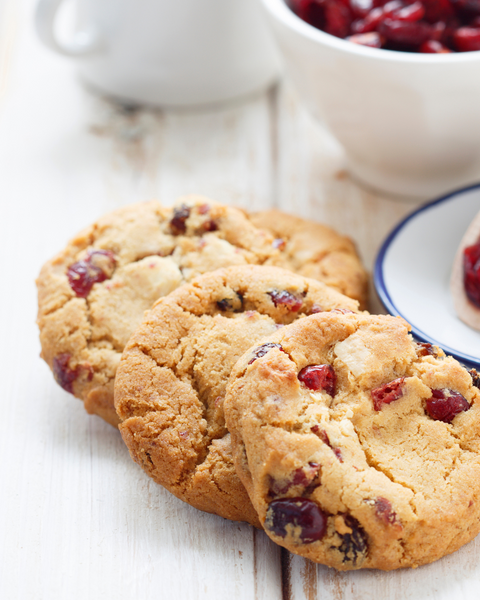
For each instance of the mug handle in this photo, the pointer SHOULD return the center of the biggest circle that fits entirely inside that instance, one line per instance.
(85, 42)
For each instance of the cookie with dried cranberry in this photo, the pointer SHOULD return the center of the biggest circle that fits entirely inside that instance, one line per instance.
(92, 296)
(170, 383)
(315, 251)
(358, 447)
(465, 278)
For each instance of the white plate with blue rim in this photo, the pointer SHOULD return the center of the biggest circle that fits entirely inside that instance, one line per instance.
(412, 273)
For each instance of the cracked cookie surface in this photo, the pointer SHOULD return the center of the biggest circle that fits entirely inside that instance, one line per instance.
(170, 384)
(316, 251)
(358, 447)
(93, 295)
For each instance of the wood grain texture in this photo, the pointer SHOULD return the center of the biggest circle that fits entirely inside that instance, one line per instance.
(78, 518)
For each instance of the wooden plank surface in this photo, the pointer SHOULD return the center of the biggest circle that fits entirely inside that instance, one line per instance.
(79, 519)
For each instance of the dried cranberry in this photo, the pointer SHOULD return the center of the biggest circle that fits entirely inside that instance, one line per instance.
(203, 209)
(310, 11)
(445, 405)
(178, 223)
(287, 299)
(388, 393)
(425, 349)
(319, 377)
(468, 7)
(262, 350)
(467, 39)
(361, 8)
(384, 511)
(438, 10)
(301, 477)
(97, 267)
(322, 434)
(372, 39)
(343, 311)
(369, 23)
(337, 18)
(412, 12)
(471, 271)
(315, 309)
(225, 304)
(404, 32)
(297, 512)
(475, 378)
(63, 374)
(210, 225)
(354, 545)
(232, 304)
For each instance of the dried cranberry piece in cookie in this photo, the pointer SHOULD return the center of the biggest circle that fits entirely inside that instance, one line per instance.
(445, 405)
(178, 223)
(63, 374)
(425, 349)
(97, 267)
(296, 512)
(471, 272)
(262, 350)
(210, 225)
(287, 299)
(388, 393)
(231, 304)
(319, 377)
(225, 304)
(386, 514)
(303, 476)
(322, 434)
(475, 378)
(316, 308)
(354, 545)
(203, 209)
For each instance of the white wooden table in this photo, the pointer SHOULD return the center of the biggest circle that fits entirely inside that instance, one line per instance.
(78, 519)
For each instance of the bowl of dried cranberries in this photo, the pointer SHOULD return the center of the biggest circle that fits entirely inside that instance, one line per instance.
(426, 26)
(397, 82)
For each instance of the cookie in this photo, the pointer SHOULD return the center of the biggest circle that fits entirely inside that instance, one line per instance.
(316, 251)
(358, 447)
(170, 383)
(92, 296)
(465, 278)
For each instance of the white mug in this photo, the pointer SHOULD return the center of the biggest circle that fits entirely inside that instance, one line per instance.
(167, 52)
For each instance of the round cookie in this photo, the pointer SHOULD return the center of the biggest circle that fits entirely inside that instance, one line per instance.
(358, 447)
(92, 296)
(171, 381)
(315, 251)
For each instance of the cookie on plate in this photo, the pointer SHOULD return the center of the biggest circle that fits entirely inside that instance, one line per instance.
(170, 383)
(465, 278)
(358, 447)
(92, 296)
(314, 250)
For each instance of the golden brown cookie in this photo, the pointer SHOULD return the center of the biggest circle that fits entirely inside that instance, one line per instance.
(92, 296)
(358, 447)
(314, 250)
(170, 383)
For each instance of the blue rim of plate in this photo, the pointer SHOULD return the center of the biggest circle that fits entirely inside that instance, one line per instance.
(381, 287)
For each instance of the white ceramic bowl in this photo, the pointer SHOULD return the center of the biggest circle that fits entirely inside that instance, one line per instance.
(409, 123)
